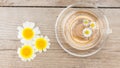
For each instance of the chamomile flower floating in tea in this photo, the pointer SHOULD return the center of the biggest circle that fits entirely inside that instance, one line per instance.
(93, 25)
(27, 32)
(87, 32)
(86, 22)
(42, 43)
(26, 52)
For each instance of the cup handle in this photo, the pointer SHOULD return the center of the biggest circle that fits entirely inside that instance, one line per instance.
(109, 31)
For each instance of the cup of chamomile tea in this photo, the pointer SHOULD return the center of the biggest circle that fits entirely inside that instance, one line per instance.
(82, 29)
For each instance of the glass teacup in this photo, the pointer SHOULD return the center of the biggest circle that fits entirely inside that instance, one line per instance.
(82, 29)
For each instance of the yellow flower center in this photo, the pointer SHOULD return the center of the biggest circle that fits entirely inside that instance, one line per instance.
(92, 25)
(87, 32)
(85, 21)
(26, 51)
(28, 33)
(41, 43)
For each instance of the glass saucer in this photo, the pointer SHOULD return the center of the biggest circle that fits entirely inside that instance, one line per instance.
(66, 23)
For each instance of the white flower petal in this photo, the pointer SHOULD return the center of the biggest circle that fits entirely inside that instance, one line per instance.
(36, 50)
(41, 36)
(36, 36)
(26, 41)
(45, 50)
(47, 39)
(22, 41)
(29, 59)
(37, 30)
(31, 25)
(19, 37)
(19, 28)
(24, 60)
(34, 56)
(26, 24)
(18, 50)
(20, 32)
(48, 46)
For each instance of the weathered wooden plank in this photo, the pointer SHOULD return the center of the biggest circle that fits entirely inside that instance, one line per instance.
(101, 3)
(61, 60)
(55, 57)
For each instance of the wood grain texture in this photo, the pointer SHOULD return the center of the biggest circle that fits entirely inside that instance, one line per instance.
(100, 3)
(55, 57)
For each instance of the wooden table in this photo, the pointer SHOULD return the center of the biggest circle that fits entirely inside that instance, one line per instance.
(44, 13)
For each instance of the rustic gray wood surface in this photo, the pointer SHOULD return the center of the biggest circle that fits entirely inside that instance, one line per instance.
(101, 3)
(18, 11)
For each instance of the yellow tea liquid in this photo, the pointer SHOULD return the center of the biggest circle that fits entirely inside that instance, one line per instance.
(73, 28)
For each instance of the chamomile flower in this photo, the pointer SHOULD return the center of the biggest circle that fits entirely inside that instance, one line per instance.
(86, 22)
(27, 32)
(93, 25)
(26, 52)
(41, 43)
(87, 32)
